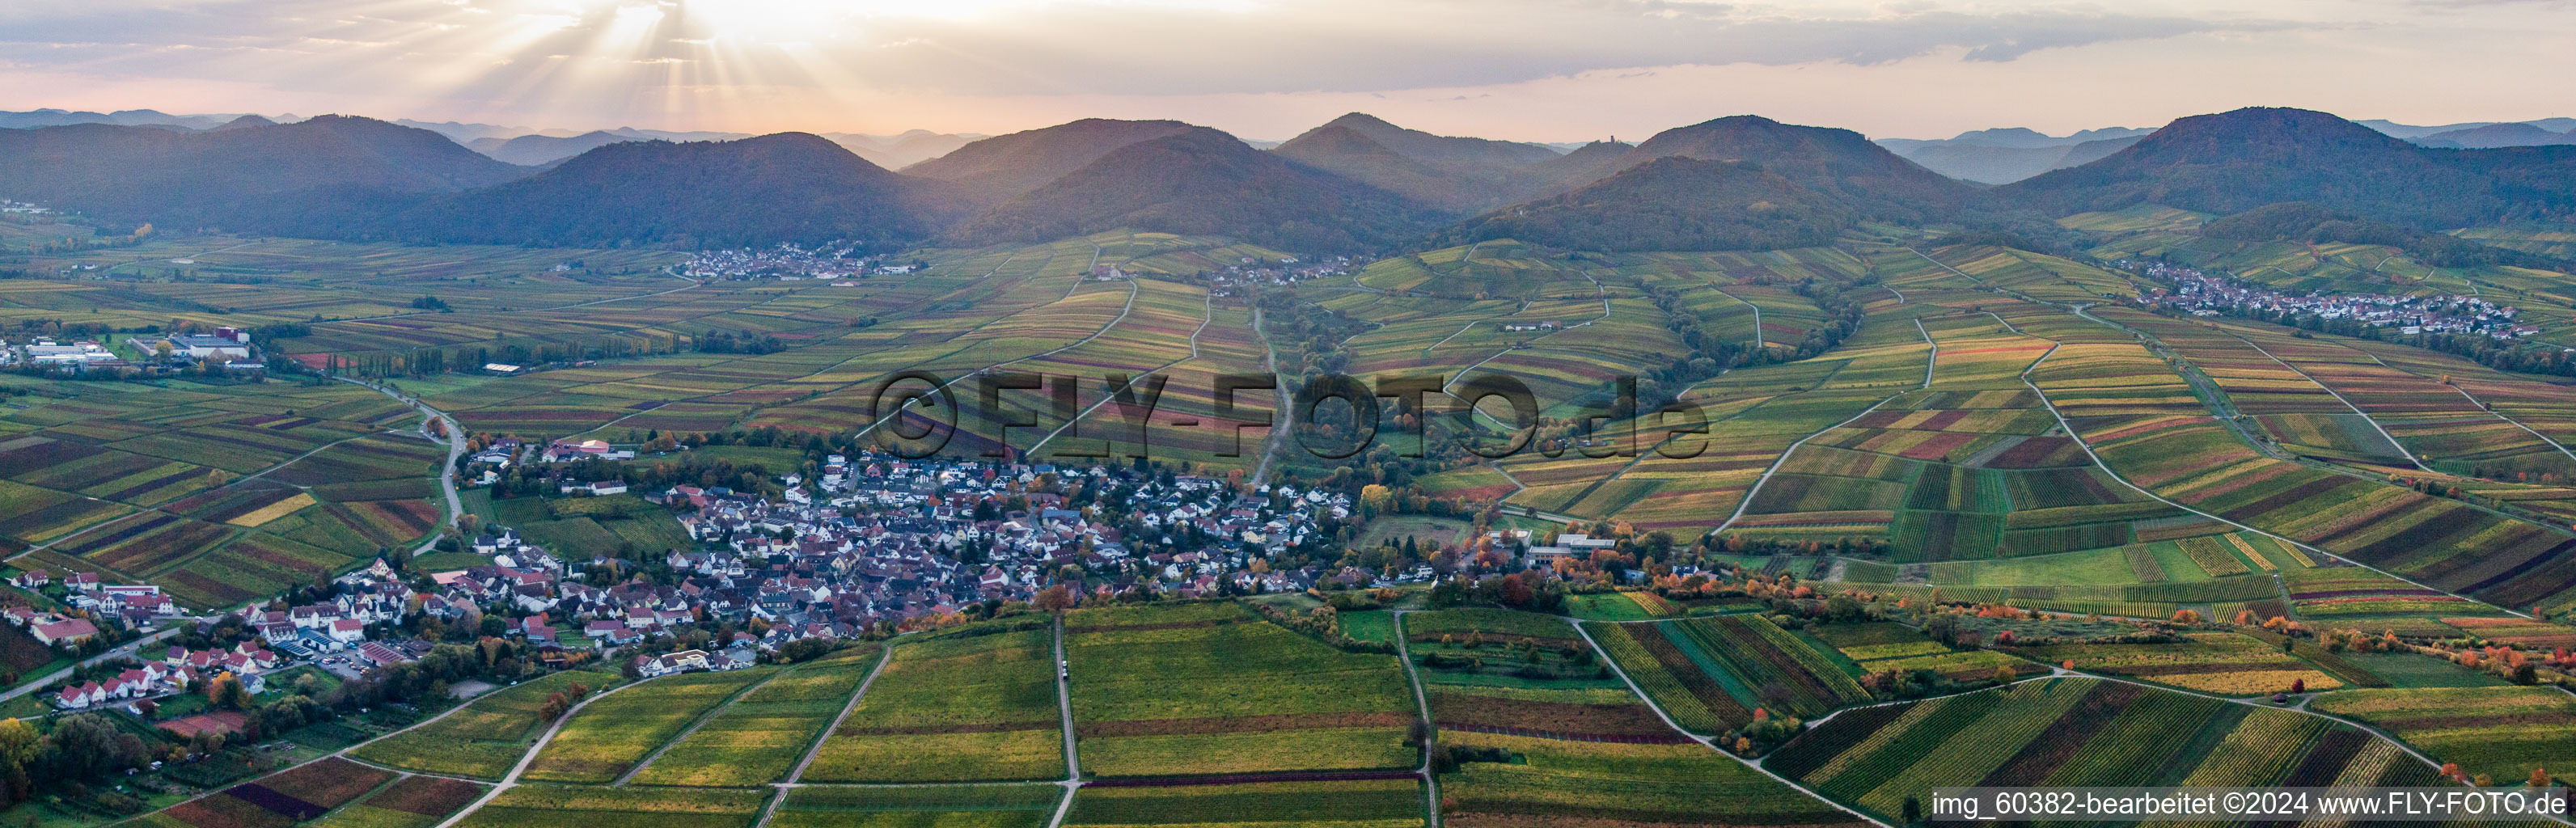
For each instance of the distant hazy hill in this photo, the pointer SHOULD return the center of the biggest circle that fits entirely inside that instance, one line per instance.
(1457, 174)
(2002, 156)
(1672, 203)
(783, 187)
(999, 168)
(895, 152)
(540, 150)
(130, 117)
(1199, 180)
(2237, 161)
(316, 176)
(2493, 136)
(2412, 132)
(245, 122)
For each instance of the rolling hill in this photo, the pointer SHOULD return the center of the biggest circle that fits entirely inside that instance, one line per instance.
(789, 186)
(1672, 203)
(997, 169)
(1835, 161)
(319, 176)
(1458, 174)
(1200, 180)
(2240, 160)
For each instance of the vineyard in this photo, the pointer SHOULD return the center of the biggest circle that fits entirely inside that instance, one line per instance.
(1392, 803)
(982, 806)
(976, 704)
(1213, 689)
(2503, 732)
(760, 736)
(2080, 732)
(484, 738)
(1710, 674)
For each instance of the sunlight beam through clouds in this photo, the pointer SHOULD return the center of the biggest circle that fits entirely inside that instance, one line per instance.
(993, 65)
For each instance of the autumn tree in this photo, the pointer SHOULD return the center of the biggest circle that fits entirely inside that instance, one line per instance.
(1052, 599)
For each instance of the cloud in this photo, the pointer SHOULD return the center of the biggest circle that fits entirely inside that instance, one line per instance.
(493, 49)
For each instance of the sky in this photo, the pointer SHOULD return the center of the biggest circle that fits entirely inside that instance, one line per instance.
(1538, 70)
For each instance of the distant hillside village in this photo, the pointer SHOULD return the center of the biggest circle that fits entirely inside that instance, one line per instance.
(793, 263)
(2202, 294)
(842, 263)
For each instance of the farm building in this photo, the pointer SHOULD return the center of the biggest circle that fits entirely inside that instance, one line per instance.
(66, 631)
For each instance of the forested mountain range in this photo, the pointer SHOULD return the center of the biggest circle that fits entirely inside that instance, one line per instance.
(1356, 183)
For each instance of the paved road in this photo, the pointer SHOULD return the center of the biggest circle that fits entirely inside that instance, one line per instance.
(455, 452)
(1072, 753)
(1431, 732)
(125, 650)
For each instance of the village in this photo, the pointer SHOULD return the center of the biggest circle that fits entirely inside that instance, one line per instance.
(874, 545)
(2202, 294)
(789, 263)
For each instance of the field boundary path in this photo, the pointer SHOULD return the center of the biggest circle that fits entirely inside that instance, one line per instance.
(1208, 317)
(908, 401)
(1756, 488)
(511, 780)
(2356, 410)
(1754, 764)
(2080, 442)
(1064, 707)
(795, 778)
(702, 720)
(1430, 731)
(2155, 345)
(1287, 413)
